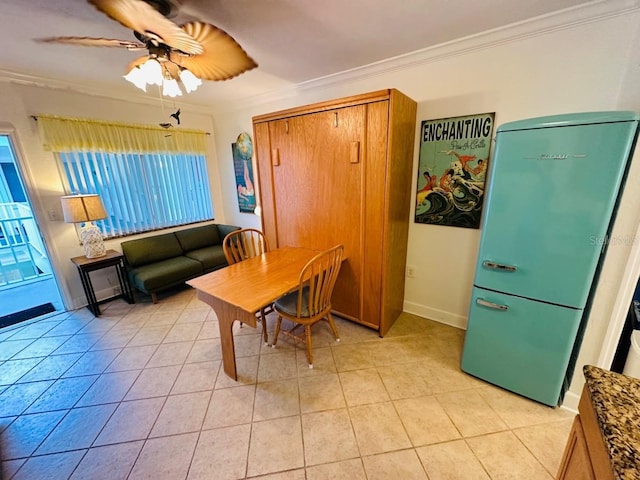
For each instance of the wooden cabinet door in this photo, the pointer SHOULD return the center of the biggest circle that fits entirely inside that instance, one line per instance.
(576, 462)
(317, 190)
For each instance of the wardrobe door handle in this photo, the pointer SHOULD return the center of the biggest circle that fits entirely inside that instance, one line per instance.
(275, 157)
(495, 306)
(354, 152)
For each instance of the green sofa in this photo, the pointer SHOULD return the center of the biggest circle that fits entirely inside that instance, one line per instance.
(163, 261)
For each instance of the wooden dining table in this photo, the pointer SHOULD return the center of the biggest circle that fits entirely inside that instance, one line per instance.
(240, 290)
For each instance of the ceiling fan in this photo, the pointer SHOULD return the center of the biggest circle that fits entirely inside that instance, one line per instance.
(176, 54)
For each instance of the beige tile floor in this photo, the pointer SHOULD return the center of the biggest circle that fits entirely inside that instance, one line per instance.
(139, 393)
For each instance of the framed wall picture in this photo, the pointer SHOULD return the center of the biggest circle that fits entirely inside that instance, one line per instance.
(454, 156)
(242, 151)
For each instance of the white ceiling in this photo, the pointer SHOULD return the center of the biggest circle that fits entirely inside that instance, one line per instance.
(292, 41)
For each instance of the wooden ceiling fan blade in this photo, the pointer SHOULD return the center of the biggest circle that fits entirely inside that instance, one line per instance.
(144, 19)
(94, 42)
(223, 58)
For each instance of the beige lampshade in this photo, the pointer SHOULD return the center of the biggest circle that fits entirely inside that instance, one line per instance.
(82, 208)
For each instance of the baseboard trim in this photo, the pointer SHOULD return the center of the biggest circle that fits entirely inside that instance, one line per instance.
(570, 402)
(436, 315)
(104, 294)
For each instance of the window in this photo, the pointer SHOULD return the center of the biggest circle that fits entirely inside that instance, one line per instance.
(141, 192)
(147, 180)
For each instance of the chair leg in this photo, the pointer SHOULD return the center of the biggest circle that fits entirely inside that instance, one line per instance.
(332, 324)
(263, 320)
(275, 335)
(154, 297)
(307, 334)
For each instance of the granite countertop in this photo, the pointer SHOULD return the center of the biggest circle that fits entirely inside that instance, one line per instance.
(616, 401)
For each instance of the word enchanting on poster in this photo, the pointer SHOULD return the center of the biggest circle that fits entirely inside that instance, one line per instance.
(454, 155)
(242, 151)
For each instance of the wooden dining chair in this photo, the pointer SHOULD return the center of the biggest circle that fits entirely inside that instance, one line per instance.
(241, 245)
(311, 301)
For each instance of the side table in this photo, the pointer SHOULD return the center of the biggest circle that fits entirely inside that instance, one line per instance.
(111, 259)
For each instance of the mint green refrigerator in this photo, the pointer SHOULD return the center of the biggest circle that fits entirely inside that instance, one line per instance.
(553, 189)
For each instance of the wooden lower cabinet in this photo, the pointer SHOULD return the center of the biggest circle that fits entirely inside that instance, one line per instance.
(576, 463)
(341, 172)
(585, 455)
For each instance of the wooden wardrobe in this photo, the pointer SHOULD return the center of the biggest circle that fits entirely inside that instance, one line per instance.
(341, 172)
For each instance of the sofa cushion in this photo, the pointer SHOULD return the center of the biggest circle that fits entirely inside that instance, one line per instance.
(151, 249)
(165, 273)
(198, 237)
(211, 258)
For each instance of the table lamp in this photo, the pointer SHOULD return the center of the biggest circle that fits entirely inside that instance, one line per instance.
(85, 209)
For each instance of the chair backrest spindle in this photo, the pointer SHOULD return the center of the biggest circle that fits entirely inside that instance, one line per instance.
(243, 244)
(319, 277)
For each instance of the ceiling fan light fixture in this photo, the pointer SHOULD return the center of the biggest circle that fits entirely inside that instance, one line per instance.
(152, 71)
(189, 80)
(185, 55)
(170, 88)
(137, 77)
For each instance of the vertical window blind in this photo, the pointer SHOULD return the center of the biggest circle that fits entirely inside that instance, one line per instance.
(146, 178)
(142, 192)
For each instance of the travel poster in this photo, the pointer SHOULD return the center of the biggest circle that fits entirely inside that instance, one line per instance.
(454, 156)
(242, 152)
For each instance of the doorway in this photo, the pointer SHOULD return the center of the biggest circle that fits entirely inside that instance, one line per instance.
(24, 262)
(628, 288)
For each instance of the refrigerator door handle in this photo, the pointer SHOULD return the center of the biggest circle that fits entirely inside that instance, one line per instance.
(499, 266)
(495, 306)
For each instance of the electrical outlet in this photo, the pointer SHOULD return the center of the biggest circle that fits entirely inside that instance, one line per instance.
(411, 271)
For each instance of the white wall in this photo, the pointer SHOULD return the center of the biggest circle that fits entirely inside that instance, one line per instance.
(555, 65)
(573, 67)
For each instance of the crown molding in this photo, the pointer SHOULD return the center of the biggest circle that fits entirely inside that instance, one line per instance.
(595, 11)
(598, 10)
(8, 76)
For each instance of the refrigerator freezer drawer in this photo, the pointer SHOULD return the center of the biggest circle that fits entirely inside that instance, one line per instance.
(521, 345)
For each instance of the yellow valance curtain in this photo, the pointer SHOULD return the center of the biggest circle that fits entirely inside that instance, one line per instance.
(63, 134)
